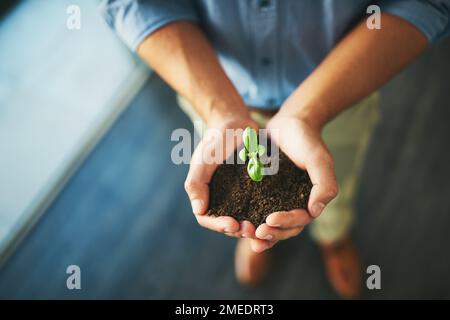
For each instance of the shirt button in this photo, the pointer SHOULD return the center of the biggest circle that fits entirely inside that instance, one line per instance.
(263, 4)
(266, 62)
(270, 102)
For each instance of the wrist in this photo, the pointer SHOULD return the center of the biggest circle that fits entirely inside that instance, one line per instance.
(231, 121)
(314, 116)
(222, 113)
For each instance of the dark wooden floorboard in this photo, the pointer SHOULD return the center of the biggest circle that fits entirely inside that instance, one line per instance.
(125, 219)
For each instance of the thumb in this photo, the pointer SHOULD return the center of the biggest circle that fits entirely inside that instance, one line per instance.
(198, 193)
(197, 181)
(325, 188)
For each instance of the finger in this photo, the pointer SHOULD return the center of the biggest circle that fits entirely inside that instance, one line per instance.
(247, 229)
(289, 219)
(218, 224)
(321, 172)
(198, 178)
(198, 193)
(265, 232)
(233, 235)
(259, 246)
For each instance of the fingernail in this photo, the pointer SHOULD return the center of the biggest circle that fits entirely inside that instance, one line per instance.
(268, 221)
(268, 237)
(317, 209)
(196, 206)
(274, 225)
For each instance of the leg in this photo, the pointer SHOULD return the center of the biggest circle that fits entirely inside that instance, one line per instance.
(347, 137)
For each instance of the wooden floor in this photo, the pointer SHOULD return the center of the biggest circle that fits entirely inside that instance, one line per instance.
(125, 219)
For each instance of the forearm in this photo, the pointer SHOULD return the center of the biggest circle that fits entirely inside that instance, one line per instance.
(182, 56)
(362, 62)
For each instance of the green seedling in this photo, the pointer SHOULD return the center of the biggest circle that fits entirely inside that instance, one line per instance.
(252, 151)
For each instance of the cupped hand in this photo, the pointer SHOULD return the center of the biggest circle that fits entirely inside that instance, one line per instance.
(303, 144)
(212, 150)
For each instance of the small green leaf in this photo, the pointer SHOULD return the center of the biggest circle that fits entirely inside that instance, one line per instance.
(254, 169)
(261, 150)
(250, 139)
(243, 154)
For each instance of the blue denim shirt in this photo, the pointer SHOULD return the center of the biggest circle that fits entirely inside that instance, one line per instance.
(268, 47)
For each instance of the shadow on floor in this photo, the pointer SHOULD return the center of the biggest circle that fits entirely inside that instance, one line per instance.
(125, 220)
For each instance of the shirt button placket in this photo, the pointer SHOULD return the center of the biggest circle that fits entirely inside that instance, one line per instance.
(265, 28)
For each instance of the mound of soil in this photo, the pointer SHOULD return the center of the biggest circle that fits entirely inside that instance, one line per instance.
(233, 193)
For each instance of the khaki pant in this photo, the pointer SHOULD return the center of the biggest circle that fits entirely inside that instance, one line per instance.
(347, 137)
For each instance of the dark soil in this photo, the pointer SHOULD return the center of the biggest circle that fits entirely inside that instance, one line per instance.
(233, 193)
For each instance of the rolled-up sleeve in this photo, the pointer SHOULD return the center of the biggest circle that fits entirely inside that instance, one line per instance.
(432, 17)
(134, 20)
